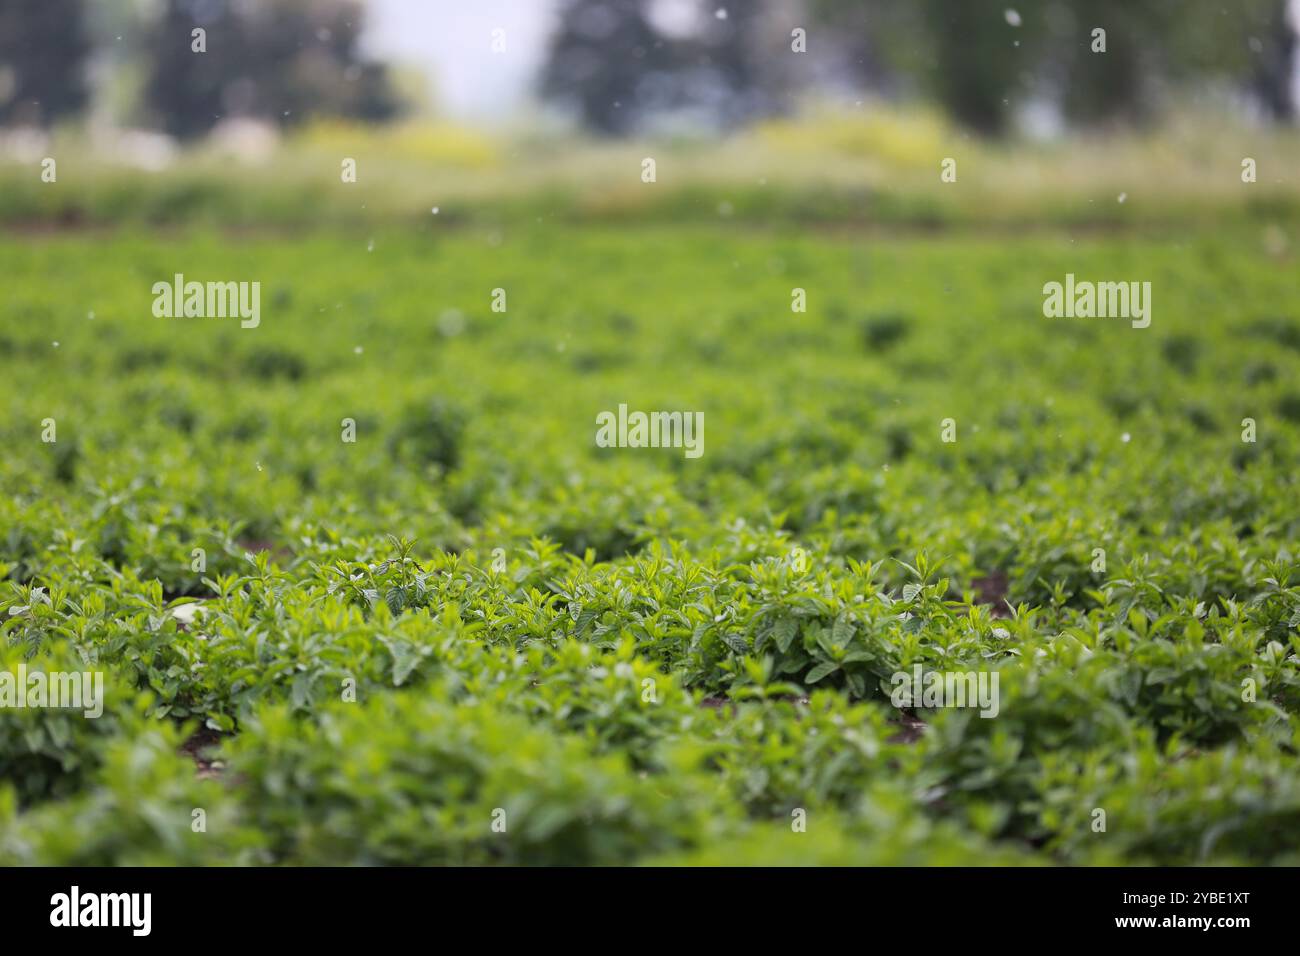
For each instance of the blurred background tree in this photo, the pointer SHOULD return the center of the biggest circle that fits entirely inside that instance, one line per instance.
(983, 61)
(1277, 80)
(43, 58)
(1153, 51)
(718, 66)
(624, 67)
(606, 61)
(282, 62)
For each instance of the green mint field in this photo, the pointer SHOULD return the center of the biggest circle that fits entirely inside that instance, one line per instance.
(364, 589)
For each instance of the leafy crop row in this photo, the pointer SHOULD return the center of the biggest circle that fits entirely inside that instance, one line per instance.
(472, 616)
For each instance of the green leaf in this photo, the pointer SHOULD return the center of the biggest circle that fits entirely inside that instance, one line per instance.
(736, 642)
(784, 633)
(842, 632)
(820, 671)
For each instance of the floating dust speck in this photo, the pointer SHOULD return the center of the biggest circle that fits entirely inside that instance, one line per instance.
(186, 615)
(1275, 241)
(451, 323)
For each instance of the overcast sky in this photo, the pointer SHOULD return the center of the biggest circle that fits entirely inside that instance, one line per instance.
(451, 40)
